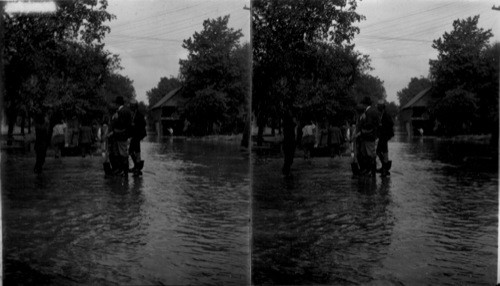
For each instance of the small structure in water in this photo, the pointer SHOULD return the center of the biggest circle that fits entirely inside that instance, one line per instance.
(415, 114)
(166, 113)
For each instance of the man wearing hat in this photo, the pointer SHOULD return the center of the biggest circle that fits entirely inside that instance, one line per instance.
(368, 125)
(386, 132)
(137, 132)
(122, 121)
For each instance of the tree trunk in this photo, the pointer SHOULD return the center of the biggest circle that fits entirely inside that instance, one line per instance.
(246, 134)
(11, 120)
(288, 142)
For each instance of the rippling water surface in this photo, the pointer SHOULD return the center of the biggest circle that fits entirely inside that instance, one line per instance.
(432, 222)
(186, 221)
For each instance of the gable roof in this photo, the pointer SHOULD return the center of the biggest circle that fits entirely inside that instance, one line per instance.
(166, 98)
(416, 98)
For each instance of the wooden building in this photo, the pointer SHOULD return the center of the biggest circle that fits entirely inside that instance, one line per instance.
(414, 115)
(166, 113)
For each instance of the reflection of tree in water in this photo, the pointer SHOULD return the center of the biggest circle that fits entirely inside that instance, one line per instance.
(464, 209)
(318, 228)
(208, 196)
(69, 224)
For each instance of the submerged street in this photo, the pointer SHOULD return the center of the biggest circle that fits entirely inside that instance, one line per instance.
(432, 222)
(185, 221)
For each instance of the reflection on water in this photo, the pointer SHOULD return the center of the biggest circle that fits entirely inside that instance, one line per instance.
(432, 222)
(186, 221)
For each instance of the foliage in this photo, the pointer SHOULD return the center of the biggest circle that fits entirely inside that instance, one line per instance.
(466, 61)
(205, 109)
(368, 85)
(392, 109)
(415, 86)
(456, 111)
(326, 94)
(217, 67)
(117, 85)
(56, 60)
(209, 60)
(302, 59)
(488, 91)
(143, 108)
(459, 61)
(165, 85)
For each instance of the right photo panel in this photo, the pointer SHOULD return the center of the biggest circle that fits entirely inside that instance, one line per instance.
(375, 142)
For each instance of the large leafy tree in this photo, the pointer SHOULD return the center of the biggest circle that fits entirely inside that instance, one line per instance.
(216, 71)
(466, 74)
(209, 59)
(415, 86)
(326, 94)
(290, 41)
(456, 111)
(459, 62)
(57, 59)
(165, 85)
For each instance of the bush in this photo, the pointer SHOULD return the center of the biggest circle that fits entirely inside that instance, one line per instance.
(456, 111)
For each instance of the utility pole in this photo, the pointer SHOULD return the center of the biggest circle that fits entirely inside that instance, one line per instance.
(247, 132)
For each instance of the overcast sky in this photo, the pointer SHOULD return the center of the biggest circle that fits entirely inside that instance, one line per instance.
(148, 34)
(397, 34)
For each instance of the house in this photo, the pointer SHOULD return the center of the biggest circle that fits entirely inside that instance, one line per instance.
(414, 115)
(166, 113)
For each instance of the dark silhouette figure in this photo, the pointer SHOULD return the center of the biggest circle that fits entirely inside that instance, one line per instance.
(137, 132)
(121, 125)
(386, 132)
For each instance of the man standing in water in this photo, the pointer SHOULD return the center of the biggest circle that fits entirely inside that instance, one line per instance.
(386, 132)
(138, 132)
(122, 121)
(368, 125)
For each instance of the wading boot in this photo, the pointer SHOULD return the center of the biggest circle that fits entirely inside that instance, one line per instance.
(124, 165)
(385, 169)
(138, 167)
(373, 169)
(363, 167)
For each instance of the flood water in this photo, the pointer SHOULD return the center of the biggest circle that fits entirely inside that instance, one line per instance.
(432, 222)
(184, 222)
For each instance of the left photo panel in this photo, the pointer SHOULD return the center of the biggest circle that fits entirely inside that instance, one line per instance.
(125, 142)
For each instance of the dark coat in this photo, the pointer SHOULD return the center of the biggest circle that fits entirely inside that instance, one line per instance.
(138, 130)
(122, 124)
(369, 123)
(42, 137)
(386, 130)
